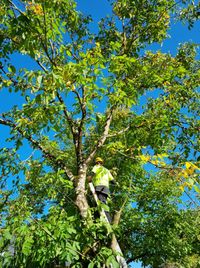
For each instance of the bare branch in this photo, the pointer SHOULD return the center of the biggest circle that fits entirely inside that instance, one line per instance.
(193, 201)
(116, 221)
(75, 132)
(42, 66)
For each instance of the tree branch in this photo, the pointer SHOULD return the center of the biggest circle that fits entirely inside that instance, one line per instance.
(15, 7)
(117, 216)
(146, 29)
(193, 201)
(102, 139)
(80, 127)
(69, 119)
(42, 66)
(66, 113)
(119, 132)
(38, 145)
(10, 78)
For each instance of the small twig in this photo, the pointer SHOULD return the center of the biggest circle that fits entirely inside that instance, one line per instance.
(25, 160)
(193, 201)
(15, 82)
(10, 78)
(119, 132)
(42, 66)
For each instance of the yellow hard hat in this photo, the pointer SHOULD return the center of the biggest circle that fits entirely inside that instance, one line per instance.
(98, 160)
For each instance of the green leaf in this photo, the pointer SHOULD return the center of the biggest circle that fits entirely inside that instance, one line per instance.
(91, 265)
(39, 80)
(12, 69)
(112, 261)
(27, 245)
(38, 99)
(7, 234)
(197, 189)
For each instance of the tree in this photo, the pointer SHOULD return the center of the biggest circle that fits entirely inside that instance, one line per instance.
(78, 103)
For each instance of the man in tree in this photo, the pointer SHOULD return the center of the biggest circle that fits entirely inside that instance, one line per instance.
(77, 90)
(101, 180)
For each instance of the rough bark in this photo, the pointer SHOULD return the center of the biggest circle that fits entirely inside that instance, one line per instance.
(114, 242)
(81, 200)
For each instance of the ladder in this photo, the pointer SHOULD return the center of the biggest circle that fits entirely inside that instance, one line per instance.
(120, 258)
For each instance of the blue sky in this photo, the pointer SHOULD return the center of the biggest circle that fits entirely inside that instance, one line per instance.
(98, 9)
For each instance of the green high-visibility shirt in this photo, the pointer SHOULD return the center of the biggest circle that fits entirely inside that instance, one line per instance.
(102, 176)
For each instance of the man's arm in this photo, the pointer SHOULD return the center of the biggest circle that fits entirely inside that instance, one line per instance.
(111, 179)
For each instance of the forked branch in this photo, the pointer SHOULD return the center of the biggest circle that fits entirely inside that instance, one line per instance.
(102, 138)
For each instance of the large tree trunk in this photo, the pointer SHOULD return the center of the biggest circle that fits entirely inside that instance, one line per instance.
(81, 200)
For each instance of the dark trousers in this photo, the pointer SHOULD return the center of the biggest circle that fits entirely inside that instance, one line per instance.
(102, 195)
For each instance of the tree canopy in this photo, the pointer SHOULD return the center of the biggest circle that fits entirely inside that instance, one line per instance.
(82, 99)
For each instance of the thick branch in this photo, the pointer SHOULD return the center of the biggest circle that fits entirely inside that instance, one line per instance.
(80, 127)
(37, 144)
(118, 213)
(102, 139)
(116, 221)
(66, 113)
(71, 123)
(82, 104)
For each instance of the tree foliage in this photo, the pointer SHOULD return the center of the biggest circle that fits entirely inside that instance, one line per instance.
(82, 98)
